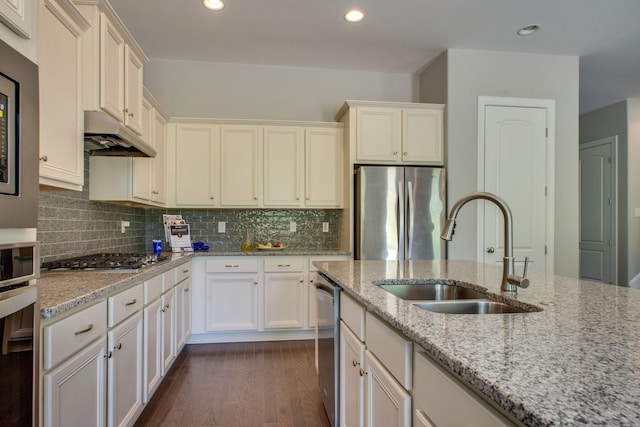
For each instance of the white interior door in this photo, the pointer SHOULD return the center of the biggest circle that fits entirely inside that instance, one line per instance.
(515, 165)
(597, 207)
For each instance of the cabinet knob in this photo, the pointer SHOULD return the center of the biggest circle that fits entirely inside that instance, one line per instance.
(255, 198)
(362, 372)
(298, 198)
(186, 289)
(108, 355)
(307, 198)
(212, 197)
(166, 306)
(301, 281)
(119, 346)
(395, 153)
(44, 158)
(491, 250)
(131, 114)
(355, 362)
(255, 282)
(126, 110)
(404, 153)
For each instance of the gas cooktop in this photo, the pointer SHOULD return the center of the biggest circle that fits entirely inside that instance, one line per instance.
(107, 261)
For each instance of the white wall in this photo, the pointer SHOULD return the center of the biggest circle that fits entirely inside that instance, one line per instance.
(473, 73)
(216, 90)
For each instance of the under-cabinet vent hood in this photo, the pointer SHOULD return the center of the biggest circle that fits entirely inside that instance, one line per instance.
(104, 136)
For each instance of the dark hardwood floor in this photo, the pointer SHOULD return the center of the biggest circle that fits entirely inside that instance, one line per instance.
(239, 384)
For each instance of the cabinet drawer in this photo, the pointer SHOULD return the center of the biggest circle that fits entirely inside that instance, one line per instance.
(168, 279)
(443, 400)
(232, 265)
(182, 272)
(66, 337)
(276, 264)
(391, 348)
(125, 304)
(352, 314)
(153, 289)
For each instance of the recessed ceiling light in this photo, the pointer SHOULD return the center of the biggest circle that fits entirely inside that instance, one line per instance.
(528, 30)
(213, 4)
(354, 15)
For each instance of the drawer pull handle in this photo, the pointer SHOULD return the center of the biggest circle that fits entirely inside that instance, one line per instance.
(284, 265)
(108, 355)
(186, 289)
(85, 330)
(119, 346)
(166, 306)
(185, 271)
(363, 372)
(231, 266)
(131, 302)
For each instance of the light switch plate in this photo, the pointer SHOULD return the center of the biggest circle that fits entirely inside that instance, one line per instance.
(325, 227)
(222, 227)
(292, 226)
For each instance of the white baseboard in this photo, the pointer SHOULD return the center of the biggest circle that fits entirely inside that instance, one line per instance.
(225, 337)
(635, 282)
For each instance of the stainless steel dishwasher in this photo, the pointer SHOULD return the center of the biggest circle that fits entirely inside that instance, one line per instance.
(328, 345)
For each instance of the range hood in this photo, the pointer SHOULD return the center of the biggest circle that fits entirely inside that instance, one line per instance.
(104, 136)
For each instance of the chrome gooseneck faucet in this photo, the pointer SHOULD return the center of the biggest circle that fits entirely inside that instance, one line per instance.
(510, 281)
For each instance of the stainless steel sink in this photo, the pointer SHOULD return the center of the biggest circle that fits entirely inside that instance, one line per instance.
(431, 291)
(471, 307)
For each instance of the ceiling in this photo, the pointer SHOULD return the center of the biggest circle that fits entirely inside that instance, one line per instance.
(396, 36)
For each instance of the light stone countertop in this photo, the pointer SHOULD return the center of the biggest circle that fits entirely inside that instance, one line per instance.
(64, 290)
(574, 363)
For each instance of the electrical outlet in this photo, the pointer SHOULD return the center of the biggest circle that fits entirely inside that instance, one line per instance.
(292, 226)
(325, 227)
(124, 225)
(222, 227)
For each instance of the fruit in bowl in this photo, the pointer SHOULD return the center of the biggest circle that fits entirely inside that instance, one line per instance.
(275, 245)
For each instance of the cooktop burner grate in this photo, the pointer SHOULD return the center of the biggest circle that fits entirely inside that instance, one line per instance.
(105, 261)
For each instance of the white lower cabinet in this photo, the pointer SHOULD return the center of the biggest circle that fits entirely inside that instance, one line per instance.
(124, 392)
(102, 363)
(168, 320)
(387, 402)
(152, 349)
(231, 302)
(74, 392)
(351, 379)
(441, 400)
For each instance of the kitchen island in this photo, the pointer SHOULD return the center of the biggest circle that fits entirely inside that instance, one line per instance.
(575, 362)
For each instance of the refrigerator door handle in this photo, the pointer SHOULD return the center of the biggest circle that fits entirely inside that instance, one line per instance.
(410, 220)
(400, 218)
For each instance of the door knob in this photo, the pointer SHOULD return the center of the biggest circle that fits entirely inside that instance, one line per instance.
(491, 249)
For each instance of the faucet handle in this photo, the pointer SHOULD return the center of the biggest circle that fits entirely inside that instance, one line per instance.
(524, 282)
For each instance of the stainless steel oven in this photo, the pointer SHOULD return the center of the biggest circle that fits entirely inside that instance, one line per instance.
(328, 345)
(19, 145)
(19, 324)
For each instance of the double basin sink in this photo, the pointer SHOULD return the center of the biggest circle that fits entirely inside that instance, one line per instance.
(449, 298)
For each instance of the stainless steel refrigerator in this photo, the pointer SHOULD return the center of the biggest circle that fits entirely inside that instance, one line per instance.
(399, 212)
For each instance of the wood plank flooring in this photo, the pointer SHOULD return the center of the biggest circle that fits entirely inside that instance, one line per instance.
(264, 384)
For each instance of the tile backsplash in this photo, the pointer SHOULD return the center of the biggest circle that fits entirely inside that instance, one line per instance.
(69, 224)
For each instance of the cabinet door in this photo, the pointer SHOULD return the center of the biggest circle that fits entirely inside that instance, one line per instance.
(351, 379)
(168, 330)
(183, 314)
(159, 176)
(283, 166)
(378, 133)
(152, 349)
(197, 160)
(239, 165)
(132, 90)
(283, 300)
(387, 403)
(142, 167)
(124, 395)
(111, 69)
(74, 393)
(231, 302)
(60, 64)
(323, 168)
(422, 140)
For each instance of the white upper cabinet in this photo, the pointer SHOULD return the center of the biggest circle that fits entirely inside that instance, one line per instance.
(197, 159)
(259, 165)
(283, 178)
(60, 54)
(393, 132)
(135, 179)
(323, 168)
(113, 66)
(240, 168)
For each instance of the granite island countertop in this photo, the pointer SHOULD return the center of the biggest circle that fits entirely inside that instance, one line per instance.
(576, 362)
